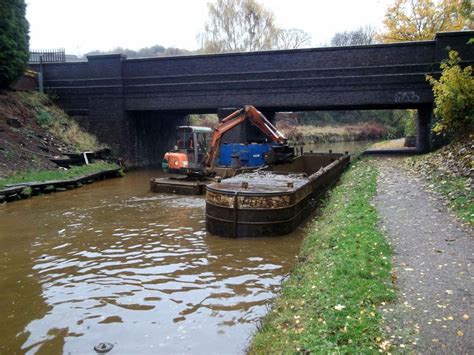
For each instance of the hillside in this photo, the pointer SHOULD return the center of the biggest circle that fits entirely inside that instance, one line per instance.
(33, 130)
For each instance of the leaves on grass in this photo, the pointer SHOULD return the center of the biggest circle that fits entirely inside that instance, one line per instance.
(336, 291)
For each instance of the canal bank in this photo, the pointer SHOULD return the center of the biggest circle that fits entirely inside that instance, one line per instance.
(34, 183)
(330, 302)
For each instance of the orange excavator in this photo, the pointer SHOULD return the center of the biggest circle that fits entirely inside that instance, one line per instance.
(198, 154)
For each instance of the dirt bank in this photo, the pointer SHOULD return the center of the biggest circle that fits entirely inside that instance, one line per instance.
(33, 130)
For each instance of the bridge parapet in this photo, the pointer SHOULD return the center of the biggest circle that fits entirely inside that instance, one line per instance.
(373, 76)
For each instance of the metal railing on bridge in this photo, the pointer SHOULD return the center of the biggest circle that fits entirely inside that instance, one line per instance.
(48, 56)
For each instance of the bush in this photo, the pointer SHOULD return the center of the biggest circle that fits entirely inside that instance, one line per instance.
(206, 120)
(410, 124)
(13, 41)
(454, 97)
(43, 117)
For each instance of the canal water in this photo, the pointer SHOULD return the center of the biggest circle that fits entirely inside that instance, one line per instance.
(112, 262)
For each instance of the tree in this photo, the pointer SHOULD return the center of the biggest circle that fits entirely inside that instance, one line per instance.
(414, 20)
(454, 97)
(238, 26)
(246, 26)
(14, 39)
(153, 51)
(293, 38)
(361, 36)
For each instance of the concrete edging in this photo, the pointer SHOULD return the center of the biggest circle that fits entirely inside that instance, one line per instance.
(15, 192)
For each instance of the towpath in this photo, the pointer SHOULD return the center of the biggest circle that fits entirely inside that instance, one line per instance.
(432, 257)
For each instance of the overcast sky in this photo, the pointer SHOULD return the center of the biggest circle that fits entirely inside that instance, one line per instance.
(81, 26)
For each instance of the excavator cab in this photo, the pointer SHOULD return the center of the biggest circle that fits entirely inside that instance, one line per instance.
(189, 152)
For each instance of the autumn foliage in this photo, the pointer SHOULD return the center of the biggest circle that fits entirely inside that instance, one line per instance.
(415, 20)
(454, 97)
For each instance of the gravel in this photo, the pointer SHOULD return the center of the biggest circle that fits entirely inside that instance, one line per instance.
(432, 257)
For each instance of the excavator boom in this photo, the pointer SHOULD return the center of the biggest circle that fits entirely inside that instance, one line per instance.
(234, 119)
(192, 155)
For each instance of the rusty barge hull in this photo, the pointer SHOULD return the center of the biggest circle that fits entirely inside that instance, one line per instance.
(271, 203)
(179, 186)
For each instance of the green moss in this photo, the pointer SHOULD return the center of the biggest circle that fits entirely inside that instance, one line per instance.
(43, 117)
(48, 175)
(26, 192)
(49, 188)
(329, 304)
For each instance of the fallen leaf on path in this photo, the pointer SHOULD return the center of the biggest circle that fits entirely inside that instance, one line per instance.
(385, 345)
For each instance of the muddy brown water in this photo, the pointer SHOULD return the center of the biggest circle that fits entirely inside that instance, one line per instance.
(113, 262)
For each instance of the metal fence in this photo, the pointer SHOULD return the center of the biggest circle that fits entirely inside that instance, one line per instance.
(48, 56)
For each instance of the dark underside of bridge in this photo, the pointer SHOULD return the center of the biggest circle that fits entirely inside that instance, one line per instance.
(134, 105)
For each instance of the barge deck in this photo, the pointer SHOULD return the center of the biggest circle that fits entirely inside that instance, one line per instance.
(183, 185)
(271, 202)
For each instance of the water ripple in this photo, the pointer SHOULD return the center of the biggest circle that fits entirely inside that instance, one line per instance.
(142, 273)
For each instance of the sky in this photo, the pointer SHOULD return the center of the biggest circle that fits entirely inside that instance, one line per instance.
(81, 26)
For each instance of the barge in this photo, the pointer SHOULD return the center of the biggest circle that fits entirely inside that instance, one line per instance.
(184, 185)
(272, 201)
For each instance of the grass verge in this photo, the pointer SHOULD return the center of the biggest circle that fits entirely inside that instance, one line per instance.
(46, 175)
(329, 304)
(390, 144)
(459, 193)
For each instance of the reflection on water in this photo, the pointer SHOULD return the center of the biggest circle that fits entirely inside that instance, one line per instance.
(111, 262)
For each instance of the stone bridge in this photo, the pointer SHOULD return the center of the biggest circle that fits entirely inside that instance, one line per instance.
(134, 105)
